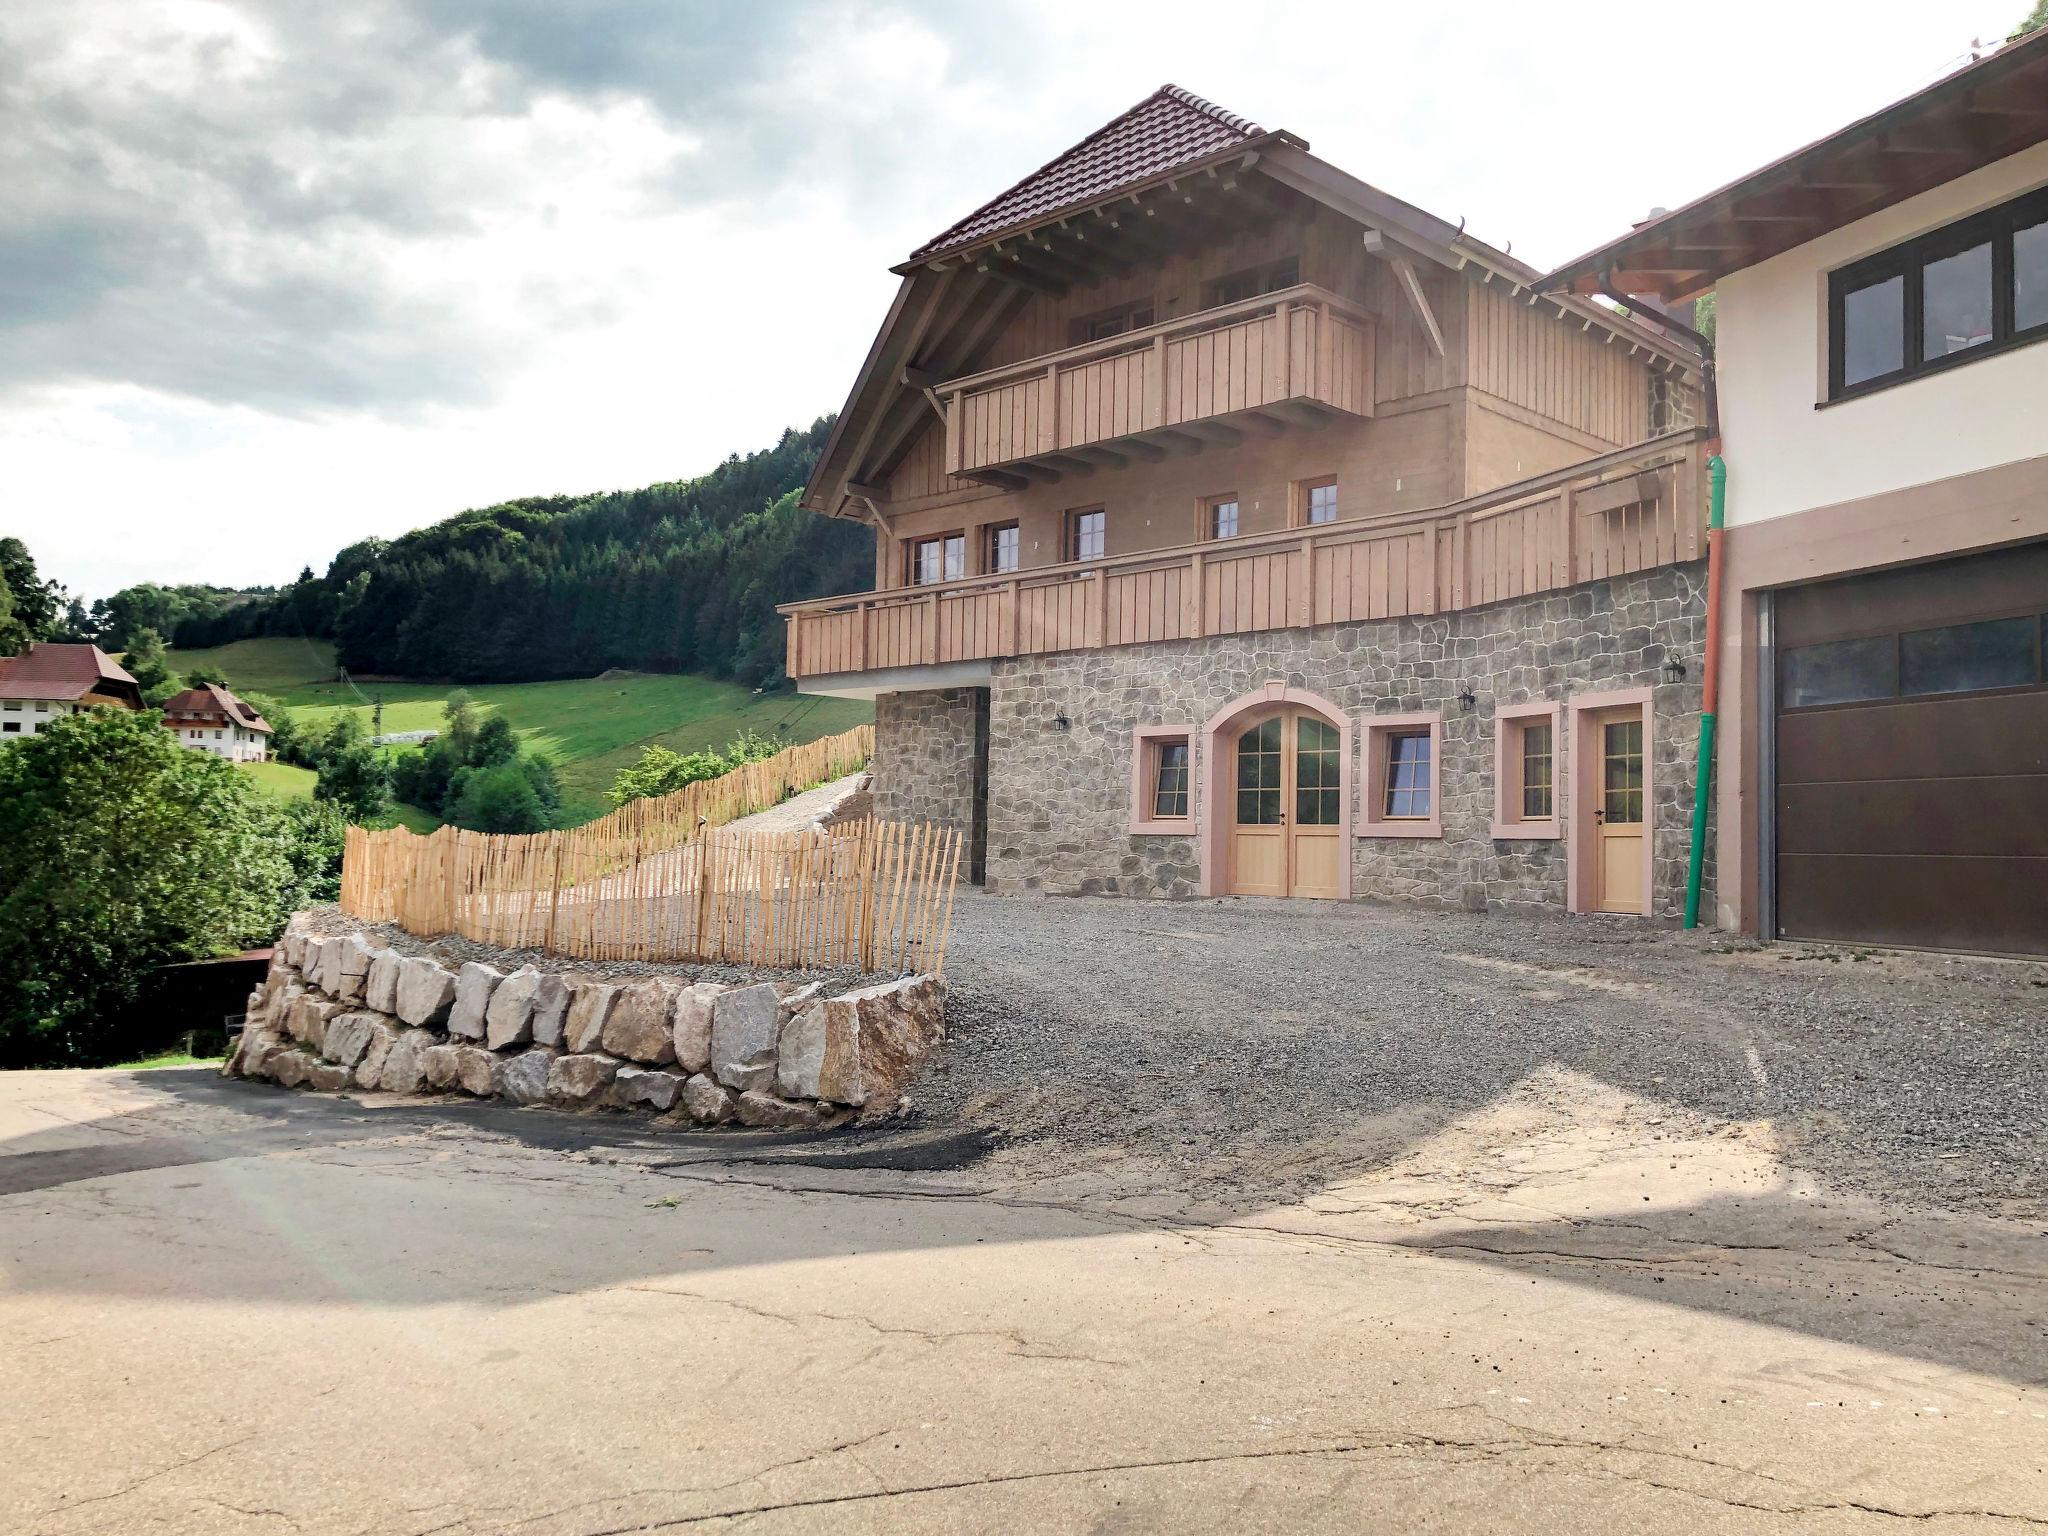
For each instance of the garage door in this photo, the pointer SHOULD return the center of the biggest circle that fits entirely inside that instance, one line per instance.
(1912, 756)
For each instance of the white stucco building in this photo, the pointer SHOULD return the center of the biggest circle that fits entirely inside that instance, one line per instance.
(211, 719)
(47, 682)
(1882, 300)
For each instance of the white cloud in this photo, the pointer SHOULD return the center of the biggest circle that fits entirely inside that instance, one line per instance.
(278, 283)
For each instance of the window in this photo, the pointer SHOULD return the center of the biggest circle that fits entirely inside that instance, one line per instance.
(1219, 517)
(1964, 658)
(1318, 763)
(1170, 781)
(943, 558)
(12, 727)
(42, 706)
(1085, 530)
(1403, 756)
(1525, 770)
(1839, 672)
(1162, 780)
(1318, 502)
(1004, 548)
(1407, 777)
(1252, 282)
(1977, 286)
(1621, 772)
(12, 706)
(1259, 770)
(1112, 322)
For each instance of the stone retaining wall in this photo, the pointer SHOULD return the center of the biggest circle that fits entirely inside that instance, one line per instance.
(344, 1011)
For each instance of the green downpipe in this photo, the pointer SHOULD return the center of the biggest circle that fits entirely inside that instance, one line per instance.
(1703, 777)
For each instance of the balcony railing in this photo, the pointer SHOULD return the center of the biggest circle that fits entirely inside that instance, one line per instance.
(1631, 510)
(1290, 356)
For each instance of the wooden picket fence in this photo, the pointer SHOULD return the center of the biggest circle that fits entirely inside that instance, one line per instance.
(659, 879)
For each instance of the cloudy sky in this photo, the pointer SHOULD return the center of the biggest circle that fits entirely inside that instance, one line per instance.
(275, 276)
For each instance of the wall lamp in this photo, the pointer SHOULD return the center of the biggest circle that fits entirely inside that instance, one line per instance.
(1467, 697)
(1060, 722)
(1674, 669)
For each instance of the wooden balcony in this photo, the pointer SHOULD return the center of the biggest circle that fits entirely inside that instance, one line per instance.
(1632, 510)
(1297, 357)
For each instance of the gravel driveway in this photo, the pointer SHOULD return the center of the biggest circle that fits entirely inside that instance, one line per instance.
(1259, 1049)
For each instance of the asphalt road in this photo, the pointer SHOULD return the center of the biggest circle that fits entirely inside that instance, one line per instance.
(227, 1308)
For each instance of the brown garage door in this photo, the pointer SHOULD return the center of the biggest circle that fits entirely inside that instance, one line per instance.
(1912, 756)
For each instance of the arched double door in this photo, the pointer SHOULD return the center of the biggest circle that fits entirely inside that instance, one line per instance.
(1285, 814)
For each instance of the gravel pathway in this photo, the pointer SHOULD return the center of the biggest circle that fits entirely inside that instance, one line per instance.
(1268, 1045)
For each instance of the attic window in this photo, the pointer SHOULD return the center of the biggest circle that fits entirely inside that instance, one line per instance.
(1252, 282)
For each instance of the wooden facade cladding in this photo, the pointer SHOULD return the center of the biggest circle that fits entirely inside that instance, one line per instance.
(1631, 510)
(1303, 347)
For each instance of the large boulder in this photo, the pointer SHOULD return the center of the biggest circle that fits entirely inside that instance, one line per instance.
(289, 1068)
(344, 963)
(508, 1020)
(326, 1077)
(764, 1111)
(474, 985)
(309, 1018)
(590, 1005)
(442, 1063)
(581, 1078)
(707, 1102)
(861, 1048)
(744, 1025)
(405, 1067)
(425, 992)
(524, 1078)
(477, 1070)
(370, 1069)
(646, 1085)
(639, 1027)
(692, 1032)
(380, 986)
(255, 1047)
(348, 1037)
(550, 1009)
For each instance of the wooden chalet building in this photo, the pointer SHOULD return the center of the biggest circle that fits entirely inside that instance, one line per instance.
(1242, 528)
(48, 681)
(211, 719)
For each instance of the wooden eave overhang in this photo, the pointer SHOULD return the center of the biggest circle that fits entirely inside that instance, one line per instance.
(1981, 114)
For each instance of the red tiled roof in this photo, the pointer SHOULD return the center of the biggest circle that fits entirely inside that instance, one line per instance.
(1169, 128)
(214, 702)
(59, 672)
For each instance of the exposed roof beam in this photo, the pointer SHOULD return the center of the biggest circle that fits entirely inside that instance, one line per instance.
(1411, 285)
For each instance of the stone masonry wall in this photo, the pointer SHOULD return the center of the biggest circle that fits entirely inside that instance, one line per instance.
(1059, 799)
(348, 1010)
(930, 754)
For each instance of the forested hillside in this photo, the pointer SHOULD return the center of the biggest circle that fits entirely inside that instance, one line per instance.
(676, 577)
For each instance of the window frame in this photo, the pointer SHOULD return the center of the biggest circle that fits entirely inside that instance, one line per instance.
(1263, 278)
(1070, 534)
(1136, 315)
(1379, 729)
(1206, 532)
(1908, 261)
(990, 533)
(1509, 722)
(1146, 741)
(912, 545)
(1304, 491)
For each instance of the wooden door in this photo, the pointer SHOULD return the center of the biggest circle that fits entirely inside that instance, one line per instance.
(1286, 838)
(1315, 841)
(1618, 815)
(1258, 837)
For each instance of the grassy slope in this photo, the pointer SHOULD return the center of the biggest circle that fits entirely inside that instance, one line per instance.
(591, 727)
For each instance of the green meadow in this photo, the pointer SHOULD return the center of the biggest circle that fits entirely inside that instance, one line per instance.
(591, 727)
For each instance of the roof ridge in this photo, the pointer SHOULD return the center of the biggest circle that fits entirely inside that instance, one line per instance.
(1169, 92)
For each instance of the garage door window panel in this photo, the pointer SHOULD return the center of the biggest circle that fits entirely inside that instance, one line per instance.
(1968, 658)
(1840, 672)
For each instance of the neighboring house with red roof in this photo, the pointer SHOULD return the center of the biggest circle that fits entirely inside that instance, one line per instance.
(211, 719)
(47, 682)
